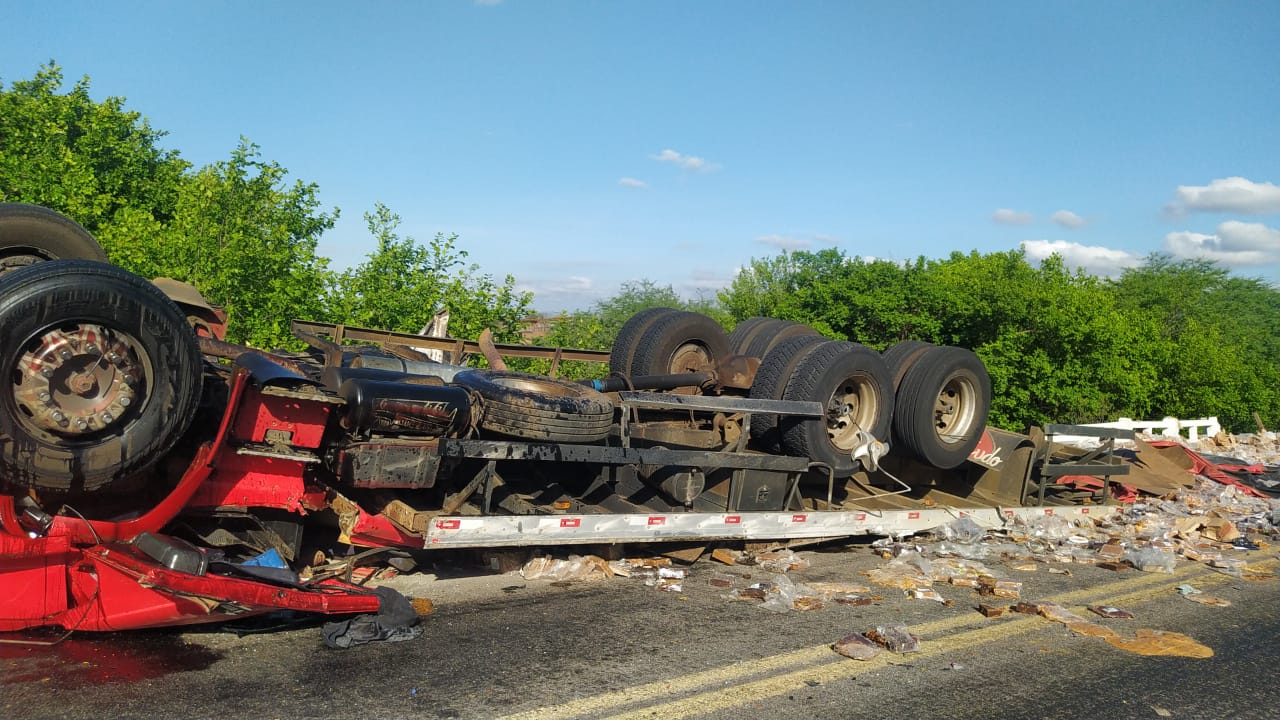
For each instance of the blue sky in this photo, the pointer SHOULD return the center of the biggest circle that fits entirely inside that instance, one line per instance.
(578, 145)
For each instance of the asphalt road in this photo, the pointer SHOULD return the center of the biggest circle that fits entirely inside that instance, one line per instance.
(502, 647)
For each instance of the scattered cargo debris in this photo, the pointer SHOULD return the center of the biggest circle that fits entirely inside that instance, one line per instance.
(857, 646)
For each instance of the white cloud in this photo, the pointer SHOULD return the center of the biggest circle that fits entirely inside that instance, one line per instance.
(827, 240)
(686, 162)
(1005, 216)
(1233, 194)
(1068, 219)
(785, 242)
(576, 283)
(1234, 243)
(1095, 260)
(569, 285)
(632, 183)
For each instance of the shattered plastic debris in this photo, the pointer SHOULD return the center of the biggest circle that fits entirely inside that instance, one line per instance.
(781, 561)
(575, 567)
(895, 638)
(857, 646)
(807, 603)
(669, 585)
(722, 581)
(900, 577)
(1150, 559)
(963, 530)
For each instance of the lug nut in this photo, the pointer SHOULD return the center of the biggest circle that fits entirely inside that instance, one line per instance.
(58, 417)
(107, 418)
(46, 371)
(82, 425)
(44, 396)
(124, 401)
(65, 354)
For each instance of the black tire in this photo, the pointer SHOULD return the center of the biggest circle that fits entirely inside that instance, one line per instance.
(770, 334)
(901, 357)
(624, 345)
(743, 332)
(852, 383)
(538, 408)
(942, 409)
(31, 234)
(82, 341)
(681, 343)
(771, 382)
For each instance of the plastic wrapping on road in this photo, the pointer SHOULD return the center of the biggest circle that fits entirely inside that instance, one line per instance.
(963, 531)
(1151, 559)
(575, 567)
(857, 646)
(895, 638)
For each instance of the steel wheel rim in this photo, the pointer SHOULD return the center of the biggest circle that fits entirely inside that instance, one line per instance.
(690, 357)
(534, 385)
(79, 380)
(955, 409)
(851, 410)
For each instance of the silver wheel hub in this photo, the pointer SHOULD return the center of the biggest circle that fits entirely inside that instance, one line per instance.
(953, 413)
(851, 410)
(77, 380)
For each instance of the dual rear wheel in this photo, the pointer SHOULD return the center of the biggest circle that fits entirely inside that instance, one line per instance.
(931, 400)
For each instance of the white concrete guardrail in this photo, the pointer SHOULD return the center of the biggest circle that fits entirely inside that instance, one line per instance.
(1170, 427)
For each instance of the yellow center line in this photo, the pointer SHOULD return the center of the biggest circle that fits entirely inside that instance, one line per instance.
(721, 677)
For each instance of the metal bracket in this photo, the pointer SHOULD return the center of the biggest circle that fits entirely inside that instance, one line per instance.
(869, 450)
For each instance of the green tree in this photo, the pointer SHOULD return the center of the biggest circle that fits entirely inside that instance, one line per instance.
(235, 229)
(90, 160)
(403, 284)
(246, 238)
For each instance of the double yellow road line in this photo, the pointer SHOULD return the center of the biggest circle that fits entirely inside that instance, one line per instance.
(755, 680)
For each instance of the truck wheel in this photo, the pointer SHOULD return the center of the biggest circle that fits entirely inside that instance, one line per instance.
(684, 342)
(743, 332)
(624, 346)
(852, 384)
(770, 382)
(943, 403)
(103, 375)
(538, 408)
(768, 335)
(30, 234)
(901, 357)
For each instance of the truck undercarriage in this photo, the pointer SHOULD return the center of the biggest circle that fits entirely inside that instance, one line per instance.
(143, 459)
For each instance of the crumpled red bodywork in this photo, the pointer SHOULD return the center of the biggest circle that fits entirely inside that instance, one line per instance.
(85, 574)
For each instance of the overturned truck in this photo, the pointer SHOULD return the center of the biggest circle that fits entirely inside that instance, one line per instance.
(143, 458)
